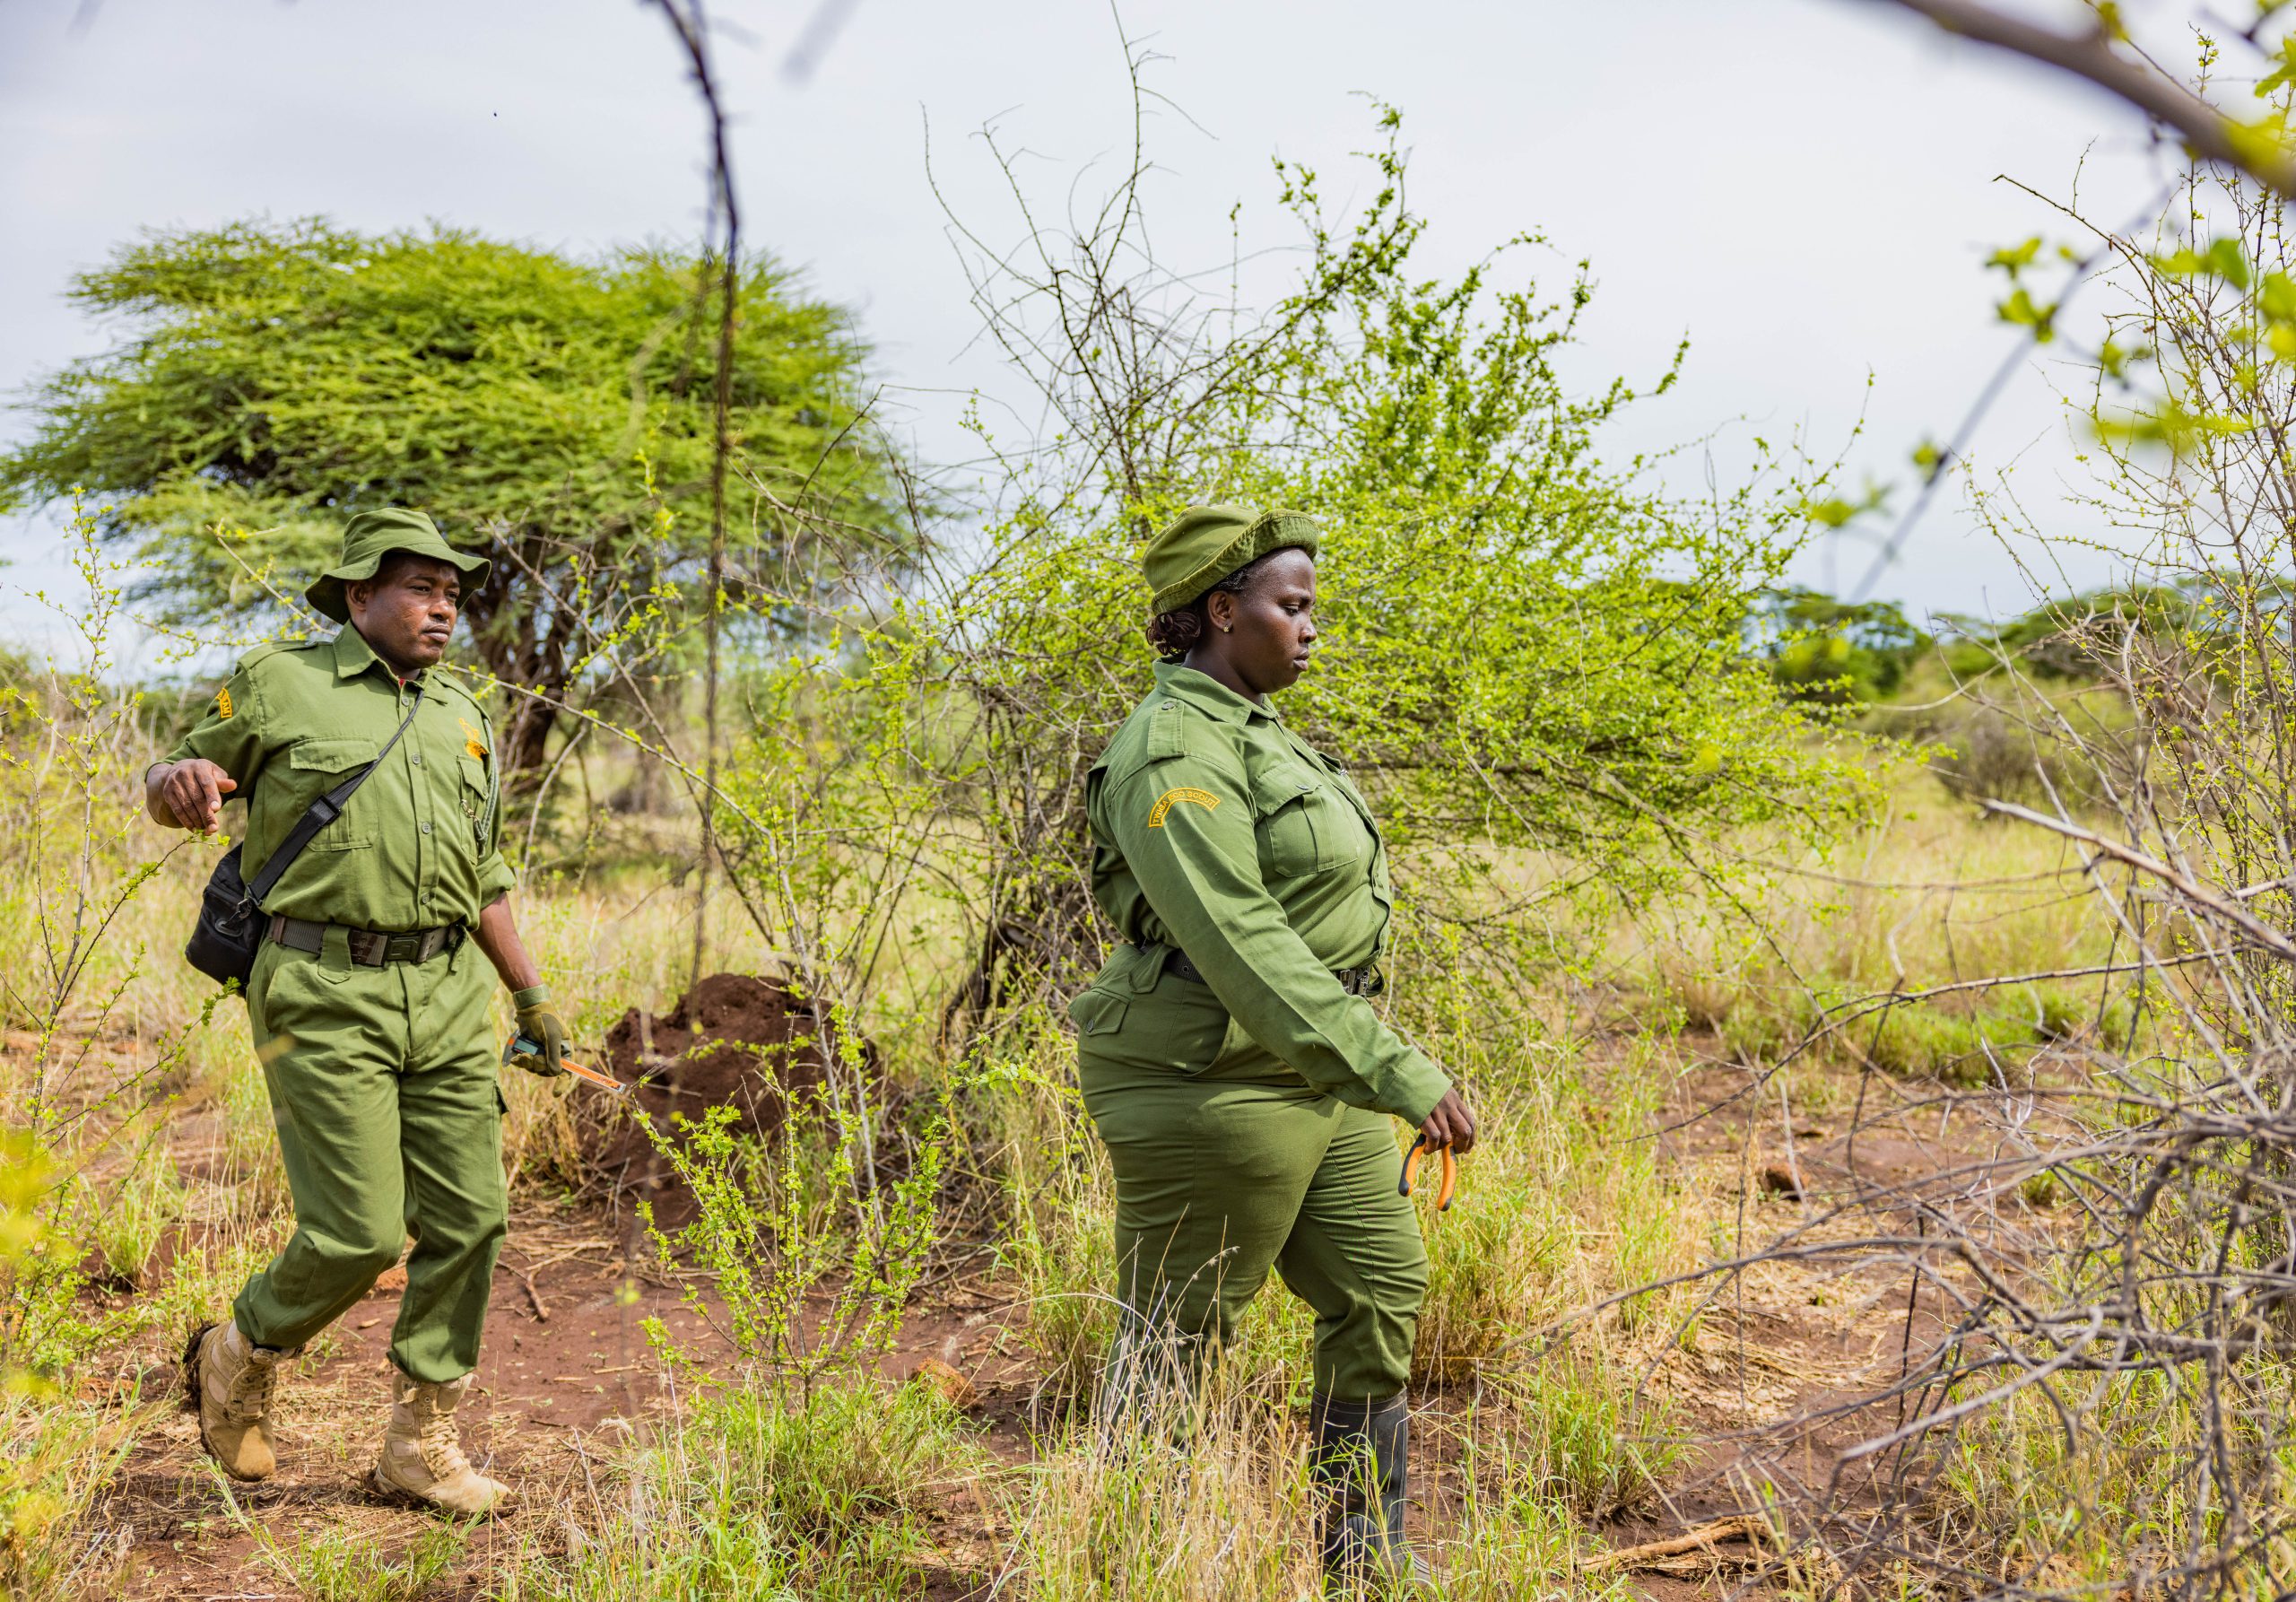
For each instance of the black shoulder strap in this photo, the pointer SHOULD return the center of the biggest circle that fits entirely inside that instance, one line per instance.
(321, 812)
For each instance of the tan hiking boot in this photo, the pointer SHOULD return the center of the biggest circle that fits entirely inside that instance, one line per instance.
(231, 1382)
(422, 1460)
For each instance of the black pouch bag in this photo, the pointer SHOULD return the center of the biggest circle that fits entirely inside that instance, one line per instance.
(229, 931)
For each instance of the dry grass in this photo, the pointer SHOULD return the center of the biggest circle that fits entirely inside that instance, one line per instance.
(176, 1192)
(1933, 898)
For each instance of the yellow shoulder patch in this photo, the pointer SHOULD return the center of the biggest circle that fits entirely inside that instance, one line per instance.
(223, 701)
(473, 741)
(1171, 798)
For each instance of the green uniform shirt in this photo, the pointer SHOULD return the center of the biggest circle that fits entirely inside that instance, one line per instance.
(1218, 830)
(415, 848)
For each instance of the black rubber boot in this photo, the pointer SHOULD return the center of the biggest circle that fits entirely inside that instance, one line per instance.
(1359, 1463)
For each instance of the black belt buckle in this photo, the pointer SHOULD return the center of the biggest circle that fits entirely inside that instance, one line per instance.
(371, 948)
(1177, 964)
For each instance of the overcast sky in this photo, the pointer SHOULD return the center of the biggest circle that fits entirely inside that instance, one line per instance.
(1806, 189)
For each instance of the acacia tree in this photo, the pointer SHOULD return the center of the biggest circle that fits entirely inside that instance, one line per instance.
(557, 415)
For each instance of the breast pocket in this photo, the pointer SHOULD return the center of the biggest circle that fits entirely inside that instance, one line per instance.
(1299, 823)
(318, 765)
(475, 792)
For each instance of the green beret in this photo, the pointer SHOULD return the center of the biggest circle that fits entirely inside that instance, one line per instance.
(1207, 543)
(369, 537)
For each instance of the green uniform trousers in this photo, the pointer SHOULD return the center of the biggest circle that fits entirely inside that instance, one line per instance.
(1223, 1173)
(383, 1083)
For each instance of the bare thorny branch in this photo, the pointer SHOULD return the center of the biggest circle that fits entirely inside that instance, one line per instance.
(689, 20)
(2103, 55)
(2100, 1312)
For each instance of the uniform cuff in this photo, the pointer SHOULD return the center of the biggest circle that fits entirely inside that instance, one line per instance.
(534, 996)
(1418, 1088)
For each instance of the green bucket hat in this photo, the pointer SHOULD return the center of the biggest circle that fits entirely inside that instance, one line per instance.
(369, 537)
(1205, 543)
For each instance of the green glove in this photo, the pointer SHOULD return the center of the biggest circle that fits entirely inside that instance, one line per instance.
(541, 1040)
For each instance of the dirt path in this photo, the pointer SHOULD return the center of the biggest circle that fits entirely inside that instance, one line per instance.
(566, 1362)
(1777, 1379)
(568, 1379)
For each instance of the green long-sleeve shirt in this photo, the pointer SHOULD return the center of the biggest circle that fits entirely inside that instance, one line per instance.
(1218, 831)
(415, 847)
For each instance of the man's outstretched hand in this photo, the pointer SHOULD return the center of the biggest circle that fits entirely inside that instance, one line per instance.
(188, 793)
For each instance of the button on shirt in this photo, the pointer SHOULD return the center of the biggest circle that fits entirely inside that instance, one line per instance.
(1218, 831)
(415, 847)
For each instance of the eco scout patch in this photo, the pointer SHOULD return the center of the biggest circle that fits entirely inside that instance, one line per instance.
(1171, 798)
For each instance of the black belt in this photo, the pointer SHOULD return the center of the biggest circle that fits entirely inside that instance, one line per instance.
(370, 948)
(1366, 981)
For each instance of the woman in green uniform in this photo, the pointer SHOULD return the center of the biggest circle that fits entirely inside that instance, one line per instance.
(1228, 1054)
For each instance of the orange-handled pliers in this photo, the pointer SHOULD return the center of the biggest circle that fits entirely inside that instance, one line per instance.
(521, 1046)
(588, 1076)
(1419, 1148)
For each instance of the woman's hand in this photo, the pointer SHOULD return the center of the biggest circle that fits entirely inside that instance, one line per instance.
(1449, 1124)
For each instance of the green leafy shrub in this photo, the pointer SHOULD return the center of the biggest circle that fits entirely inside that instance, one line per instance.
(798, 1254)
(1525, 646)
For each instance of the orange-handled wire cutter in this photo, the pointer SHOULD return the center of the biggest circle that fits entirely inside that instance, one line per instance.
(521, 1046)
(1419, 1148)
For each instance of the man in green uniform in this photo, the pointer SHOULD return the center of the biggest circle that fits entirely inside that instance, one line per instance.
(371, 997)
(1227, 1053)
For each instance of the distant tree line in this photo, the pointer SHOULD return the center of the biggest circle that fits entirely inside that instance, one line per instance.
(1830, 652)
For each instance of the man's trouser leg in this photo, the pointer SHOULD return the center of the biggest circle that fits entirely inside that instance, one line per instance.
(450, 1142)
(383, 1086)
(1218, 1181)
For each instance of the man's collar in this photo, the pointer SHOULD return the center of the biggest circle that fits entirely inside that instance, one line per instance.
(353, 656)
(1207, 695)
